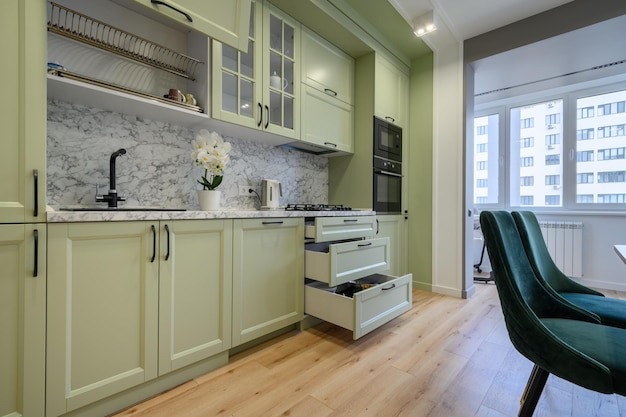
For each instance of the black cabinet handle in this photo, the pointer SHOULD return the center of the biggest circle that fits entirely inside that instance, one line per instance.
(167, 232)
(330, 144)
(36, 266)
(267, 121)
(260, 115)
(391, 119)
(377, 226)
(364, 244)
(153, 244)
(330, 92)
(36, 178)
(389, 288)
(157, 2)
(276, 222)
(350, 220)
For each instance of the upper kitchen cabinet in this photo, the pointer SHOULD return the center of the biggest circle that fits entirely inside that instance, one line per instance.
(260, 89)
(391, 92)
(328, 94)
(226, 21)
(23, 112)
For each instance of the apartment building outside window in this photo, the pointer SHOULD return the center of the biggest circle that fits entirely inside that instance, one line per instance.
(582, 161)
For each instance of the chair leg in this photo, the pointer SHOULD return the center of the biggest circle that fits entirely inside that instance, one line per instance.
(532, 392)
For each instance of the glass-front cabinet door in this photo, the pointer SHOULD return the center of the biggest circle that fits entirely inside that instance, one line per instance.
(260, 89)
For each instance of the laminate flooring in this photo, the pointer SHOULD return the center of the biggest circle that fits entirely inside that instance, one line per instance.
(446, 357)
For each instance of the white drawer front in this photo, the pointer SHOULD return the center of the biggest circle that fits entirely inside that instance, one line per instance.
(346, 261)
(328, 229)
(366, 310)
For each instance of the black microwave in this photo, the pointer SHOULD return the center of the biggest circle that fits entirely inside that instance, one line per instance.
(387, 140)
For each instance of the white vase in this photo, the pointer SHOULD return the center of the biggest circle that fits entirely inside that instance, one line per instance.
(209, 199)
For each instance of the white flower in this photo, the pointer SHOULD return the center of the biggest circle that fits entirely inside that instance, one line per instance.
(210, 152)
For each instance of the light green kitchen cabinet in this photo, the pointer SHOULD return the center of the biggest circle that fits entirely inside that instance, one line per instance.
(268, 276)
(23, 111)
(226, 21)
(391, 92)
(195, 291)
(326, 121)
(132, 301)
(22, 319)
(260, 89)
(327, 68)
(103, 289)
(395, 228)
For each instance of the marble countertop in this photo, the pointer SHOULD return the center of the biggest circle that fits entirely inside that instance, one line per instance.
(55, 215)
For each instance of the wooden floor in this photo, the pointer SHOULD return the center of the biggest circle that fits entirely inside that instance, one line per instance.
(447, 357)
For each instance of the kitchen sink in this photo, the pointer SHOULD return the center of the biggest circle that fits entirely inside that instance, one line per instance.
(120, 209)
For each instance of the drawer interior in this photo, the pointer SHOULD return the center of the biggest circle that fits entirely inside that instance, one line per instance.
(348, 289)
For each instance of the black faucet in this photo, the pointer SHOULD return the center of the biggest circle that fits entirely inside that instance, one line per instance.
(112, 198)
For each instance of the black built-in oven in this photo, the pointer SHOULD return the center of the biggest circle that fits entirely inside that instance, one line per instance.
(387, 165)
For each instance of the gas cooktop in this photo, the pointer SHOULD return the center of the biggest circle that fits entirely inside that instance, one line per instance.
(318, 207)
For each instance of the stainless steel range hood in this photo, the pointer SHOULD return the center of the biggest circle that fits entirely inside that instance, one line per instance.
(314, 149)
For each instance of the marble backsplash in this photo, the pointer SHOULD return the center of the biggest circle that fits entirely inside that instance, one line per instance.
(157, 169)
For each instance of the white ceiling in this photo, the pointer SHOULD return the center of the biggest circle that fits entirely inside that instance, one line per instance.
(468, 18)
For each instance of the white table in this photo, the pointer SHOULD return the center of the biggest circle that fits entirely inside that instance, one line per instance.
(621, 252)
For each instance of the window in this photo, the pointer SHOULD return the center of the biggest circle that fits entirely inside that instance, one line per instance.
(585, 134)
(584, 198)
(553, 139)
(611, 108)
(528, 123)
(481, 165)
(553, 180)
(482, 183)
(481, 147)
(611, 198)
(584, 178)
(613, 176)
(610, 131)
(527, 181)
(527, 142)
(584, 156)
(526, 200)
(481, 200)
(481, 130)
(553, 200)
(553, 159)
(527, 161)
(553, 119)
(585, 112)
(613, 153)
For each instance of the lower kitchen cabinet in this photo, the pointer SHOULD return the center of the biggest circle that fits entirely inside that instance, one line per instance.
(195, 291)
(22, 319)
(131, 301)
(268, 276)
(395, 228)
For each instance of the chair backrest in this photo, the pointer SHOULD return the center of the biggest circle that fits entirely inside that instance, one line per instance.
(525, 301)
(539, 256)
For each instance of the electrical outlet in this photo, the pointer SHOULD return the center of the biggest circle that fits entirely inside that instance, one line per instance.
(244, 191)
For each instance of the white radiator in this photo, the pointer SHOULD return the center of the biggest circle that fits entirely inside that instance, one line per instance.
(565, 244)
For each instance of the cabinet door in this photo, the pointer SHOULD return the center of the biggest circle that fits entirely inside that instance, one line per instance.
(195, 291)
(326, 121)
(237, 89)
(326, 68)
(391, 92)
(102, 311)
(23, 116)
(226, 21)
(268, 276)
(281, 72)
(22, 322)
(394, 227)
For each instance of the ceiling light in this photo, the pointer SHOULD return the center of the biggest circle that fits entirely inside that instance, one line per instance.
(424, 24)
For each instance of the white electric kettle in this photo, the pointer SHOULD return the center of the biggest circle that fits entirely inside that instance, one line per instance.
(270, 194)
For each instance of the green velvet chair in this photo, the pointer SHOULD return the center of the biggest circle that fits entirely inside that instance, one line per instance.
(558, 337)
(611, 311)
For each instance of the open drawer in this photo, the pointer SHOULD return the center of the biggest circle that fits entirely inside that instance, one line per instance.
(362, 305)
(328, 229)
(336, 263)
